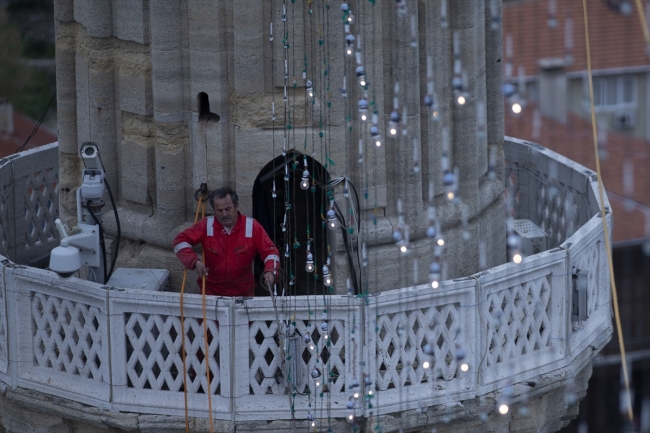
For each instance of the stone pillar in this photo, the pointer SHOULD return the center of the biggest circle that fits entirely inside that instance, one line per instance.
(166, 64)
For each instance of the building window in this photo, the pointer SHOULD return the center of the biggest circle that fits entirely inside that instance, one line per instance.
(614, 92)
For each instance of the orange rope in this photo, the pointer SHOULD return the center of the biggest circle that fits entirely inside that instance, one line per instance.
(187, 417)
(608, 248)
(206, 352)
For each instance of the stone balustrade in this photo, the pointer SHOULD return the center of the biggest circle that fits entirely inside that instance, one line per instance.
(121, 350)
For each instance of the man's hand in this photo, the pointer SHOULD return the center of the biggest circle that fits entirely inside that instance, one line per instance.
(269, 279)
(200, 269)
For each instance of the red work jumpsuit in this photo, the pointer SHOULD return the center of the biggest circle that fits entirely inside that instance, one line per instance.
(228, 257)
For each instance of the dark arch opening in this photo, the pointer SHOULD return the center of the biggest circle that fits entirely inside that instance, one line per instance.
(204, 108)
(307, 211)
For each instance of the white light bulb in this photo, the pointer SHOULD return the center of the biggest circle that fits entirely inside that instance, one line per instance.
(393, 131)
(378, 143)
(435, 114)
(441, 242)
(461, 100)
(356, 395)
(403, 248)
(313, 424)
(516, 108)
(317, 383)
(362, 82)
(370, 392)
(464, 367)
(350, 417)
(450, 195)
(503, 409)
(311, 347)
(517, 258)
(349, 51)
(364, 117)
(425, 364)
(304, 184)
(435, 284)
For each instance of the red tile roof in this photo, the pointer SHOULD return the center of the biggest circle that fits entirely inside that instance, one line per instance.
(616, 40)
(23, 127)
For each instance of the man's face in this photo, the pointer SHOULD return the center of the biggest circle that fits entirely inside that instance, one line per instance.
(226, 211)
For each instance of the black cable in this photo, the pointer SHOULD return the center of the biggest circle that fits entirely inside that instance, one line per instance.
(101, 238)
(119, 231)
(38, 125)
(353, 271)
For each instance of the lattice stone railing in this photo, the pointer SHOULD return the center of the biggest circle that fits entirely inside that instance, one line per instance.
(122, 350)
(29, 204)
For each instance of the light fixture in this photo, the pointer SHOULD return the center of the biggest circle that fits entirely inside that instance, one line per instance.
(516, 108)
(349, 42)
(309, 88)
(393, 122)
(503, 409)
(517, 258)
(304, 182)
(461, 100)
(327, 278)
(425, 364)
(332, 222)
(434, 274)
(441, 242)
(315, 373)
(464, 367)
(309, 267)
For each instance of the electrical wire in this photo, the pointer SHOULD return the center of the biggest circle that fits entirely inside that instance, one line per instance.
(119, 230)
(38, 125)
(608, 247)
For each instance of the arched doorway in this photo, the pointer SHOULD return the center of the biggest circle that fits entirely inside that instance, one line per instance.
(294, 218)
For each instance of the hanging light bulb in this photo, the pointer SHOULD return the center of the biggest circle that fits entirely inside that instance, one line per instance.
(315, 373)
(332, 222)
(309, 88)
(309, 267)
(304, 182)
(349, 42)
(449, 184)
(401, 7)
(513, 242)
(327, 278)
(434, 274)
(363, 109)
(393, 122)
(361, 74)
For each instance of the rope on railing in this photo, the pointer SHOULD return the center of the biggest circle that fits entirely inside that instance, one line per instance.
(617, 314)
(200, 206)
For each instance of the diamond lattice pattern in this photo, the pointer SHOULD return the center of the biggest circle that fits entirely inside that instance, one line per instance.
(67, 337)
(154, 353)
(401, 339)
(518, 321)
(41, 209)
(267, 375)
(557, 210)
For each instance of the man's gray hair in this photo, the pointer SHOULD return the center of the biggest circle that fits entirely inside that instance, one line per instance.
(223, 193)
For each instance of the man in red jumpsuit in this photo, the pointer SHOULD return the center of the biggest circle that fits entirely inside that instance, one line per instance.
(230, 241)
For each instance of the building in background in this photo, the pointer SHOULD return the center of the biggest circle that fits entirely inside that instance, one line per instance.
(545, 64)
(17, 129)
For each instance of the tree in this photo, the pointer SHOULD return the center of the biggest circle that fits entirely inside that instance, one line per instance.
(14, 72)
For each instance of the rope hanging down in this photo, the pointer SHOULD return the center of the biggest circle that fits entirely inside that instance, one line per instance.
(608, 248)
(200, 207)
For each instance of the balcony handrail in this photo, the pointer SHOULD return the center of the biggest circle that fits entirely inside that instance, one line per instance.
(120, 350)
